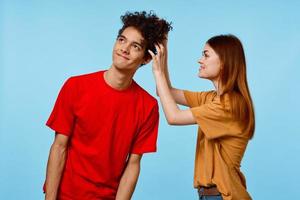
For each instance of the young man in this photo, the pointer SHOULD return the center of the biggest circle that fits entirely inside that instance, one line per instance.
(104, 121)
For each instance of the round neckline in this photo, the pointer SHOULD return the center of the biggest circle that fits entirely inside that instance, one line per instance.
(215, 96)
(114, 89)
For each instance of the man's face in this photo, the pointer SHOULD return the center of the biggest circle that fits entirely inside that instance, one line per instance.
(129, 50)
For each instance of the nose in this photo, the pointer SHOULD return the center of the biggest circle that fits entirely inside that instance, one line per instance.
(200, 60)
(125, 48)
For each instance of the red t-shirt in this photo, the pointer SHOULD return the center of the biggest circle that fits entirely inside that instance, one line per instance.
(105, 126)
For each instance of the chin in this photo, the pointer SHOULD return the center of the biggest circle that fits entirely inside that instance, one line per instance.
(204, 77)
(120, 63)
(200, 75)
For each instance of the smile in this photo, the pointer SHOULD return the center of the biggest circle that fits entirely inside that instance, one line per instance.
(122, 56)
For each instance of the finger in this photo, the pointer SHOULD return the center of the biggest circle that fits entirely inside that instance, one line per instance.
(165, 43)
(151, 53)
(166, 36)
(162, 49)
(157, 48)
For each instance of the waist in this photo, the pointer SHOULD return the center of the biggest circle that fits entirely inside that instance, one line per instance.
(208, 191)
(76, 186)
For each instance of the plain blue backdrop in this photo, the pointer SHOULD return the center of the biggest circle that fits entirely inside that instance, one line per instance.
(42, 43)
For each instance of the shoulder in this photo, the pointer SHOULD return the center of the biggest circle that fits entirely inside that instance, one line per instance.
(86, 77)
(83, 82)
(209, 95)
(147, 98)
(195, 99)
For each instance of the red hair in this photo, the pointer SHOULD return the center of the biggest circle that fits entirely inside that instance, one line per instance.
(233, 79)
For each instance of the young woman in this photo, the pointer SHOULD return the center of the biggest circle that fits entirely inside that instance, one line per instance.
(225, 116)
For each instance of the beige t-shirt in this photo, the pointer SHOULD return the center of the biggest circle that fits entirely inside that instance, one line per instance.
(221, 144)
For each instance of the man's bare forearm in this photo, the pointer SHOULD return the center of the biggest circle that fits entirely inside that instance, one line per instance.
(55, 168)
(128, 181)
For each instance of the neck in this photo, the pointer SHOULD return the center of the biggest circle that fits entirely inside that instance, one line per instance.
(117, 79)
(217, 87)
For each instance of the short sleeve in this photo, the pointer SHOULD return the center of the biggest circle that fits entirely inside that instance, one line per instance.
(196, 98)
(215, 121)
(146, 139)
(62, 117)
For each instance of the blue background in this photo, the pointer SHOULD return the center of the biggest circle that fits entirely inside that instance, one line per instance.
(42, 43)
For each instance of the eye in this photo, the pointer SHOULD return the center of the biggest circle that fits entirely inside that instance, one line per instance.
(205, 54)
(136, 47)
(120, 39)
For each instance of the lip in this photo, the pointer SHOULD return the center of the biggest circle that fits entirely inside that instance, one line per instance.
(201, 68)
(122, 56)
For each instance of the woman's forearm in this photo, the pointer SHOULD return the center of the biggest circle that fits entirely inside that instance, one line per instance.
(169, 105)
(173, 114)
(167, 76)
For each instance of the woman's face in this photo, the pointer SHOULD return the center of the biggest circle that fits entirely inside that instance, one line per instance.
(210, 64)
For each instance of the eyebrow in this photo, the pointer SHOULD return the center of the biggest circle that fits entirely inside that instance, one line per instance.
(205, 52)
(134, 42)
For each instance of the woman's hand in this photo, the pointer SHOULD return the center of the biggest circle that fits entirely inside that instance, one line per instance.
(159, 60)
(173, 114)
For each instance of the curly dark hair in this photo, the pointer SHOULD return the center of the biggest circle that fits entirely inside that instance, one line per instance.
(152, 28)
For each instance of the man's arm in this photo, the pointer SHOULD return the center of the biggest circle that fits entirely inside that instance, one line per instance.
(55, 166)
(129, 178)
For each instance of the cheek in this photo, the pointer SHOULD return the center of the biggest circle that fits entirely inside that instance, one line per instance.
(215, 66)
(138, 57)
(215, 71)
(116, 46)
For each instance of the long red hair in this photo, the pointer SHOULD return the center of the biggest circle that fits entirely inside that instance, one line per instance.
(233, 79)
